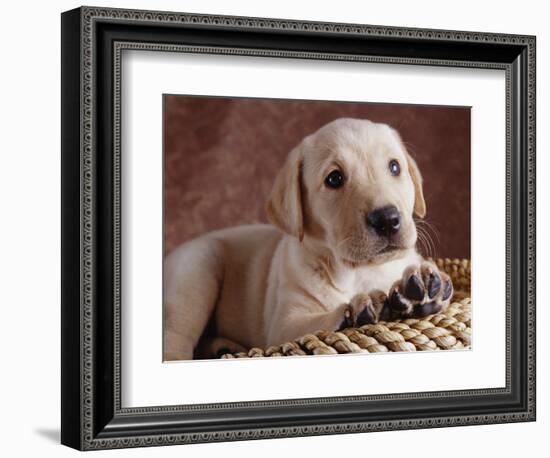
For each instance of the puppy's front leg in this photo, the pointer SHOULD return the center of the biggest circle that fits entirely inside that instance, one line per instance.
(299, 321)
(422, 290)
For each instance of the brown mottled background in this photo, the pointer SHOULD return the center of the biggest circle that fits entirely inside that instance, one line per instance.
(222, 154)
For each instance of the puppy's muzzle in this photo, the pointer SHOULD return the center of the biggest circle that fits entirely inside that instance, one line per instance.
(385, 221)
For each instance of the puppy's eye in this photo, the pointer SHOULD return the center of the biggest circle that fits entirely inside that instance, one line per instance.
(395, 168)
(334, 179)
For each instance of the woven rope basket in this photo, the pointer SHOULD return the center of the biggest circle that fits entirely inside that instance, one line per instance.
(447, 330)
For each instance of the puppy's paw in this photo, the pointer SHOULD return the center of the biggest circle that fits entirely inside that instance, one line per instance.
(365, 309)
(423, 290)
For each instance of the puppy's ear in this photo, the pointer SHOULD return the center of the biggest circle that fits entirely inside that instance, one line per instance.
(284, 205)
(419, 202)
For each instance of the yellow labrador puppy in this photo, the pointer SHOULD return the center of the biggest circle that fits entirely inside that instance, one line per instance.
(341, 250)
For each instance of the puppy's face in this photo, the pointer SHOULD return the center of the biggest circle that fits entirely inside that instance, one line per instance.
(353, 186)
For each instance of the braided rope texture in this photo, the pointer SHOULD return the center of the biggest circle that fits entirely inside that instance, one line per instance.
(446, 330)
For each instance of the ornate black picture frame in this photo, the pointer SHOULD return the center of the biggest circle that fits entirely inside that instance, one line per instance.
(92, 42)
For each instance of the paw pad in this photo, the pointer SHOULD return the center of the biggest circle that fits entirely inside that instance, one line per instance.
(421, 292)
(414, 288)
(365, 309)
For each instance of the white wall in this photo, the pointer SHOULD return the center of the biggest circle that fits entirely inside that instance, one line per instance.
(30, 240)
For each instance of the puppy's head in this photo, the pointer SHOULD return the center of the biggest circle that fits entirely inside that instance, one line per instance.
(352, 186)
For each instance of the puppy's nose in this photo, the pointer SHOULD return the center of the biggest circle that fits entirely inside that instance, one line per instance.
(385, 220)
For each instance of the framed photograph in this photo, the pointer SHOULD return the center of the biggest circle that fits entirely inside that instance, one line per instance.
(276, 228)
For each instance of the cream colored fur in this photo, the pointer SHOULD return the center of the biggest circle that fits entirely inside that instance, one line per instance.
(267, 284)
